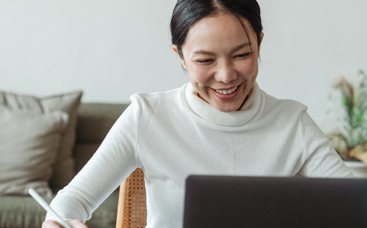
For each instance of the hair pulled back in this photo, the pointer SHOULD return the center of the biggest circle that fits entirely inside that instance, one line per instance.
(187, 12)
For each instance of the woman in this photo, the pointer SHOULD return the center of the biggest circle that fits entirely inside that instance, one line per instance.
(219, 123)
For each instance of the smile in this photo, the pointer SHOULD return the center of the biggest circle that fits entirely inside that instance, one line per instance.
(226, 91)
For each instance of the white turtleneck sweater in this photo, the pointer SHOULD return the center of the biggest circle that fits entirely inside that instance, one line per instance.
(173, 134)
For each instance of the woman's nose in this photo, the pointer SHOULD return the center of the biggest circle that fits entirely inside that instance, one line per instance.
(226, 73)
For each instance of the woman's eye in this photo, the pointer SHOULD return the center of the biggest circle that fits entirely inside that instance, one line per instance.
(243, 55)
(205, 61)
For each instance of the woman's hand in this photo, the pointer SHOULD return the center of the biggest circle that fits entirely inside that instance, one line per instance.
(53, 224)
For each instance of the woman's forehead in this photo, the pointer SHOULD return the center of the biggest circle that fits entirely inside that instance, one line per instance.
(225, 30)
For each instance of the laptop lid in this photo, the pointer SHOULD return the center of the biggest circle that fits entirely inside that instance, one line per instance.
(274, 202)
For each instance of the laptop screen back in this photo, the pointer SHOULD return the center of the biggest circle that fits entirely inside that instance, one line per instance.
(274, 202)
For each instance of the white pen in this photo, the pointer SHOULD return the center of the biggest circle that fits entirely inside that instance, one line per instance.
(47, 207)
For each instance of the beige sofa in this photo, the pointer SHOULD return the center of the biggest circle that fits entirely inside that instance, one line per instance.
(93, 122)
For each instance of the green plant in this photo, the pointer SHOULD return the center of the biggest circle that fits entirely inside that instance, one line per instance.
(350, 140)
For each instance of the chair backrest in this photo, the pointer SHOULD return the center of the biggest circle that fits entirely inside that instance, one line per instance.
(132, 212)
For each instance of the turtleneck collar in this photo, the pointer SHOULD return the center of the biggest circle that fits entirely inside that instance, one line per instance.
(210, 114)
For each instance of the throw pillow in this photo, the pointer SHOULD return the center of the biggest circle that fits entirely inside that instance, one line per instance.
(29, 143)
(63, 169)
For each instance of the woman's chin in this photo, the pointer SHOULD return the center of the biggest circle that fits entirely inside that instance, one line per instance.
(230, 105)
(227, 107)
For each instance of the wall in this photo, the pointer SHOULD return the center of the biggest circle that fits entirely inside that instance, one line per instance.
(114, 48)
(307, 46)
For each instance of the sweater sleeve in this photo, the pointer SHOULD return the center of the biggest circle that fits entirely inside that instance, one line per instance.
(114, 160)
(320, 158)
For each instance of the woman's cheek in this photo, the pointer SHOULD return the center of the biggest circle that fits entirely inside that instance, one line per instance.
(201, 76)
(249, 69)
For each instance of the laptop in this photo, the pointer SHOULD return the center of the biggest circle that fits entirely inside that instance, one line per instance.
(274, 202)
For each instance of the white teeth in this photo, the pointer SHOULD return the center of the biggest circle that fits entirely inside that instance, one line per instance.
(229, 91)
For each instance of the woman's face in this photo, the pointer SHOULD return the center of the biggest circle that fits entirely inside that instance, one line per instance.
(221, 60)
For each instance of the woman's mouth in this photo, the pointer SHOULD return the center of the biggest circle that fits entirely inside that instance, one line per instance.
(227, 91)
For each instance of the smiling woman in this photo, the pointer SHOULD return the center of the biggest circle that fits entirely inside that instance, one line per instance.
(220, 57)
(219, 123)
(219, 53)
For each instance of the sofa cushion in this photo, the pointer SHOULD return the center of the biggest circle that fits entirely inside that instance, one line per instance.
(102, 115)
(25, 212)
(63, 169)
(29, 143)
(95, 119)
(21, 212)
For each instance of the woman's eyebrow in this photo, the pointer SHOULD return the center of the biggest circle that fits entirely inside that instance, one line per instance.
(203, 52)
(236, 48)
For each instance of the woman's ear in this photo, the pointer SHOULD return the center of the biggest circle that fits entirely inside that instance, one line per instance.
(261, 39)
(180, 55)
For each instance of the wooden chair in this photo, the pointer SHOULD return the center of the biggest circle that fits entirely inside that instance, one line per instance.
(131, 211)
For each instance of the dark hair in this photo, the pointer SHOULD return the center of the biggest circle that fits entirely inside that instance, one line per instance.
(188, 12)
